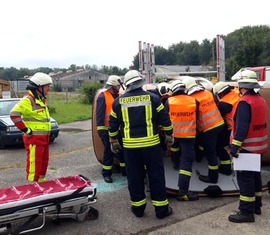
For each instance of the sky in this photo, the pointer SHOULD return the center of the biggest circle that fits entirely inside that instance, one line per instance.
(56, 34)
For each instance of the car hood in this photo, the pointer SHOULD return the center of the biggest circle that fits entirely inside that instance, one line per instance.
(6, 120)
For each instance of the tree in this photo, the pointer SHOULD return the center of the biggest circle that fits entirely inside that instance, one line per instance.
(177, 50)
(72, 67)
(11, 73)
(2, 73)
(247, 47)
(87, 67)
(136, 61)
(191, 53)
(205, 52)
(22, 72)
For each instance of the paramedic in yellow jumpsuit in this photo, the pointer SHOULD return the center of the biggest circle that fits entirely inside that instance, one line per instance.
(31, 116)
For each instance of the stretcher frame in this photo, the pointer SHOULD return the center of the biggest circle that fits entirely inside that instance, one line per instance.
(73, 204)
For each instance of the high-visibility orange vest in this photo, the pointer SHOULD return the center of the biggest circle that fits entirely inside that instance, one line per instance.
(209, 115)
(182, 111)
(108, 101)
(231, 98)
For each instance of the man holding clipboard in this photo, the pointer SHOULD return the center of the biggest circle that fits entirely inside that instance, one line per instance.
(249, 137)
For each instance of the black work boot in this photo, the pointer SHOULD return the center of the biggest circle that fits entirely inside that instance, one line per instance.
(138, 213)
(206, 179)
(258, 211)
(185, 195)
(108, 179)
(168, 213)
(241, 217)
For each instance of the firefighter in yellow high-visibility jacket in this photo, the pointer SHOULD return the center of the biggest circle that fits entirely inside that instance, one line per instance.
(31, 116)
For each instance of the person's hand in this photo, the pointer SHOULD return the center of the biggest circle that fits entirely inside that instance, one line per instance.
(233, 154)
(232, 150)
(27, 131)
(169, 140)
(115, 146)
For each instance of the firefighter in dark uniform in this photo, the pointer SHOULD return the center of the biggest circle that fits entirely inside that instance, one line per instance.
(138, 115)
(249, 135)
(103, 109)
(227, 99)
(210, 123)
(183, 110)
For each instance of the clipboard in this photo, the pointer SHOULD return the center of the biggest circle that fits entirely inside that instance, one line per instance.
(247, 162)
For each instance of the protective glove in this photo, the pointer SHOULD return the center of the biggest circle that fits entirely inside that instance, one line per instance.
(169, 140)
(27, 131)
(233, 151)
(115, 146)
(233, 154)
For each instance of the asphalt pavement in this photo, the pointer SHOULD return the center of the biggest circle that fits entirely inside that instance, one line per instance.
(214, 221)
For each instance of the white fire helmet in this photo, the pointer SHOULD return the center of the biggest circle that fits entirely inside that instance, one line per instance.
(113, 80)
(189, 82)
(248, 79)
(133, 79)
(220, 87)
(177, 85)
(164, 89)
(39, 79)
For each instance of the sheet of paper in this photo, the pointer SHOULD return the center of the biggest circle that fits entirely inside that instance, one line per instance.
(247, 162)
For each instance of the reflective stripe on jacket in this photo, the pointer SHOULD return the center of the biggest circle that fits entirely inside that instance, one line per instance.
(139, 114)
(209, 115)
(182, 111)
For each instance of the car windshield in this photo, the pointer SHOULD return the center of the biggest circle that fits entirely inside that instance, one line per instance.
(6, 106)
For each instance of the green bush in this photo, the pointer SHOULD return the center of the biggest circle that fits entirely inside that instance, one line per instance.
(88, 92)
(51, 109)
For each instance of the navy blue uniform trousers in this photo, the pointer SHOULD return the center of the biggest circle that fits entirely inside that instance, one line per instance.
(151, 160)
